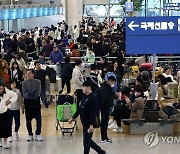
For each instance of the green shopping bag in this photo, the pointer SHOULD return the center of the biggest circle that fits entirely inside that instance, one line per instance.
(60, 111)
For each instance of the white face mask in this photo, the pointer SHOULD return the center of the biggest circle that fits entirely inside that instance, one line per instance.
(135, 94)
(112, 85)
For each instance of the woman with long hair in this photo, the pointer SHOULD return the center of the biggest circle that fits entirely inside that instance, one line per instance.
(16, 74)
(22, 65)
(6, 97)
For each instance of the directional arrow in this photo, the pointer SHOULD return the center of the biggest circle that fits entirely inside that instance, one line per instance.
(131, 26)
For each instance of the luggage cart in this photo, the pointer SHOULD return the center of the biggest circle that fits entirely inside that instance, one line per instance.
(52, 89)
(65, 103)
(49, 95)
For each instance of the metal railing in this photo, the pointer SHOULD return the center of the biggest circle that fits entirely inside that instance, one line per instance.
(166, 59)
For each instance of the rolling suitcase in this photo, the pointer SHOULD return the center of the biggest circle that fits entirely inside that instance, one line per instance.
(147, 66)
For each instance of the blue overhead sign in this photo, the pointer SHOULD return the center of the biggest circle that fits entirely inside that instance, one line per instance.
(129, 6)
(152, 35)
(172, 6)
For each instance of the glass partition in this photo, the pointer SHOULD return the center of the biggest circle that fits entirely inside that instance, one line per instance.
(156, 8)
(116, 10)
(148, 8)
(95, 10)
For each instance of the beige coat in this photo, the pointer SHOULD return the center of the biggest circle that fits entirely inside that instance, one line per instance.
(137, 108)
(77, 78)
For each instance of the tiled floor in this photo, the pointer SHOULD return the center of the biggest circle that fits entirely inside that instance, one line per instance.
(55, 143)
(73, 145)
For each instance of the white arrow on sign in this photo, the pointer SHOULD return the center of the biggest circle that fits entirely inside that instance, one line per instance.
(131, 26)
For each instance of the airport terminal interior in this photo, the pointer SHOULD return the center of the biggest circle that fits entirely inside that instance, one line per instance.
(91, 76)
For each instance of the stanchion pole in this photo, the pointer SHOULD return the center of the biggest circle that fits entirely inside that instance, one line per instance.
(154, 87)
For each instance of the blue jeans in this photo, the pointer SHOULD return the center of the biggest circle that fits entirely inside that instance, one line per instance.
(170, 110)
(38, 124)
(16, 115)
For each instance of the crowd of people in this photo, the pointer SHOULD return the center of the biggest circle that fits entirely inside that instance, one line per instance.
(23, 84)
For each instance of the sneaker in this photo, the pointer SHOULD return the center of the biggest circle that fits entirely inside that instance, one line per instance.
(113, 125)
(103, 141)
(118, 130)
(110, 122)
(39, 138)
(16, 135)
(163, 115)
(1, 144)
(108, 140)
(30, 138)
(10, 139)
(6, 146)
(175, 117)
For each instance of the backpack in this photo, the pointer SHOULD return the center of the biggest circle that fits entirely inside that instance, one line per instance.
(94, 83)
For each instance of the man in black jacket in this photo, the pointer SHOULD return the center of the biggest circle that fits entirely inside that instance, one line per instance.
(29, 44)
(105, 97)
(106, 49)
(41, 75)
(121, 62)
(88, 111)
(39, 41)
(66, 74)
(7, 44)
(97, 47)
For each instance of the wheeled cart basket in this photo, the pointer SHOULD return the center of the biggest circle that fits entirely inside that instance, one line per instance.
(66, 107)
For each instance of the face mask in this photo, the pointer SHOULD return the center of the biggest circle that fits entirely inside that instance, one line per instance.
(135, 94)
(112, 85)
